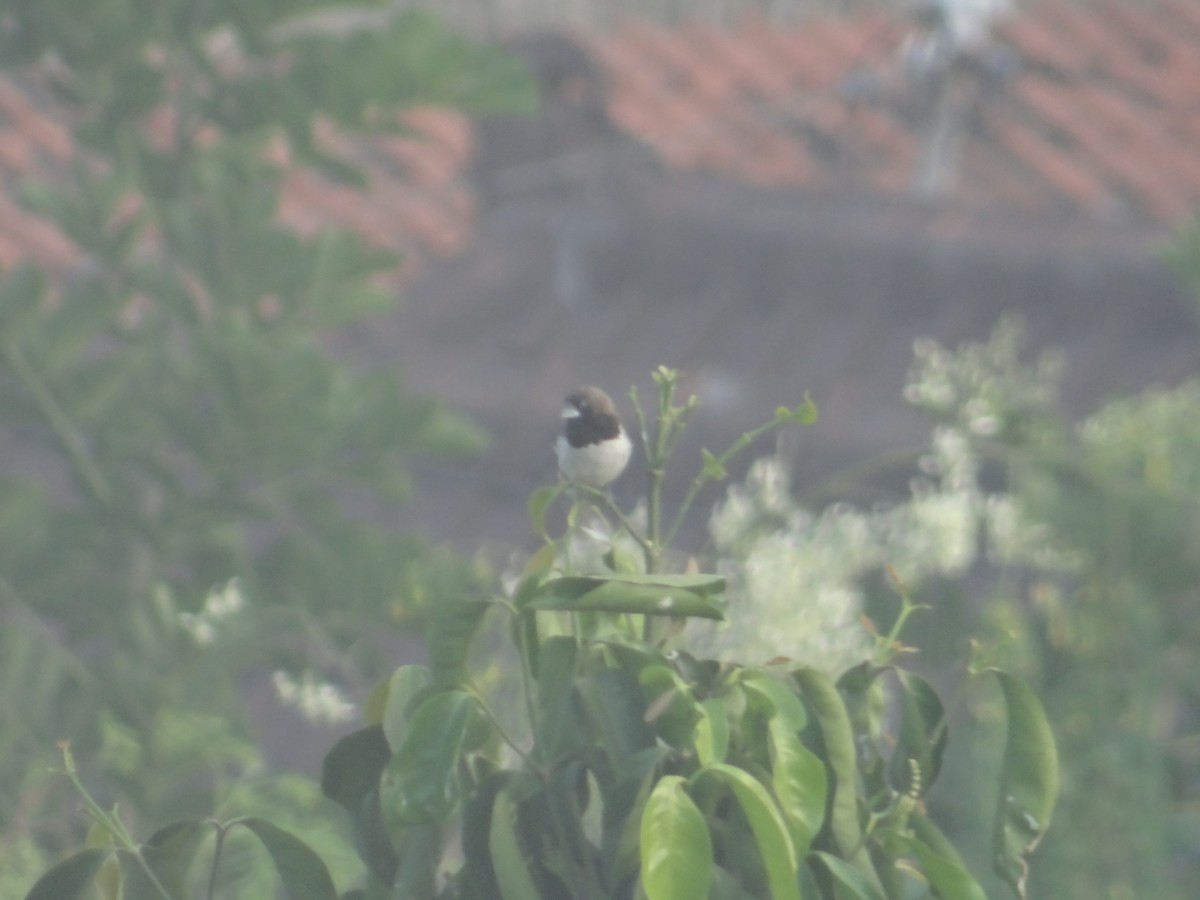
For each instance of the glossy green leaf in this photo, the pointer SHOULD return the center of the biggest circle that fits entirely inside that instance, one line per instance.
(671, 708)
(655, 595)
(825, 703)
(771, 834)
(613, 709)
(72, 877)
(405, 686)
(849, 882)
(170, 851)
(942, 865)
(623, 807)
(677, 854)
(352, 768)
(557, 726)
(513, 876)
(800, 785)
(301, 870)
(711, 734)
(421, 783)
(780, 699)
(452, 627)
(350, 776)
(1029, 781)
(921, 743)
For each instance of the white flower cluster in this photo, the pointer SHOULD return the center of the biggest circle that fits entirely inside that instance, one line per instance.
(221, 604)
(796, 576)
(320, 702)
(792, 577)
(983, 389)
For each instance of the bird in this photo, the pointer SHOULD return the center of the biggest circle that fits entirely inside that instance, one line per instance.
(593, 448)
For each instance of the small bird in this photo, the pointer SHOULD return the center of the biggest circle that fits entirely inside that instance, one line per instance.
(593, 448)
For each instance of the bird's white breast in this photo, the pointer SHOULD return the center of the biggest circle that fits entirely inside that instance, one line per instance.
(595, 464)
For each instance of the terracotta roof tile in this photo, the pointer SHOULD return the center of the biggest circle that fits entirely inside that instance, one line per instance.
(415, 202)
(753, 71)
(1104, 116)
(1041, 45)
(1057, 168)
(43, 134)
(39, 239)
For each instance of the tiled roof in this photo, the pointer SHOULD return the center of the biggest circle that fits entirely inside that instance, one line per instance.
(416, 203)
(1101, 116)
(1098, 109)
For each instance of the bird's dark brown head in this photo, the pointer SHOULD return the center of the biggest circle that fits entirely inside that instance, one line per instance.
(597, 418)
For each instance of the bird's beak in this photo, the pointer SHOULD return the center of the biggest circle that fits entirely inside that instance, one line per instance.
(570, 412)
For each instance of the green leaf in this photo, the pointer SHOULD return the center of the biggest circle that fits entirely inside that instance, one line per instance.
(421, 783)
(72, 877)
(826, 705)
(1028, 784)
(804, 414)
(302, 872)
(672, 708)
(711, 732)
(170, 851)
(941, 863)
(800, 784)
(350, 776)
(624, 802)
(661, 595)
(404, 687)
(513, 876)
(453, 623)
(775, 846)
(351, 770)
(557, 725)
(781, 701)
(711, 467)
(613, 707)
(677, 854)
(922, 739)
(849, 882)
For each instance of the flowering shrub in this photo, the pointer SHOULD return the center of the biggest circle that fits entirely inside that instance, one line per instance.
(629, 767)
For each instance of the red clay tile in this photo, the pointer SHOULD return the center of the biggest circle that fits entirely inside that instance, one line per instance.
(448, 128)
(48, 135)
(1060, 171)
(754, 74)
(419, 160)
(1184, 16)
(38, 238)
(1039, 44)
(16, 154)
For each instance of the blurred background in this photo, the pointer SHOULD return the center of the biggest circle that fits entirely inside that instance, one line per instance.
(292, 292)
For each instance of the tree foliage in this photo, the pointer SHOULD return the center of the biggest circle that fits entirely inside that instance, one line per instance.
(172, 414)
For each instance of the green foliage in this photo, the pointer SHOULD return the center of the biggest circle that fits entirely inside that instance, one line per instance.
(636, 769)
(1089, 546)
(177, 415)
(632, 769)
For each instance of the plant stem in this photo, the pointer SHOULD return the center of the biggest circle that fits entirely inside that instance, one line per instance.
(495, 723)
(216, 861)
(111, 822)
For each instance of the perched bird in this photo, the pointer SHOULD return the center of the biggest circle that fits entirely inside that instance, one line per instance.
(593, 448)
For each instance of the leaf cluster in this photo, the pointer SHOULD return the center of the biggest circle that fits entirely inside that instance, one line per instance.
(640, 770)
(172, 413)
